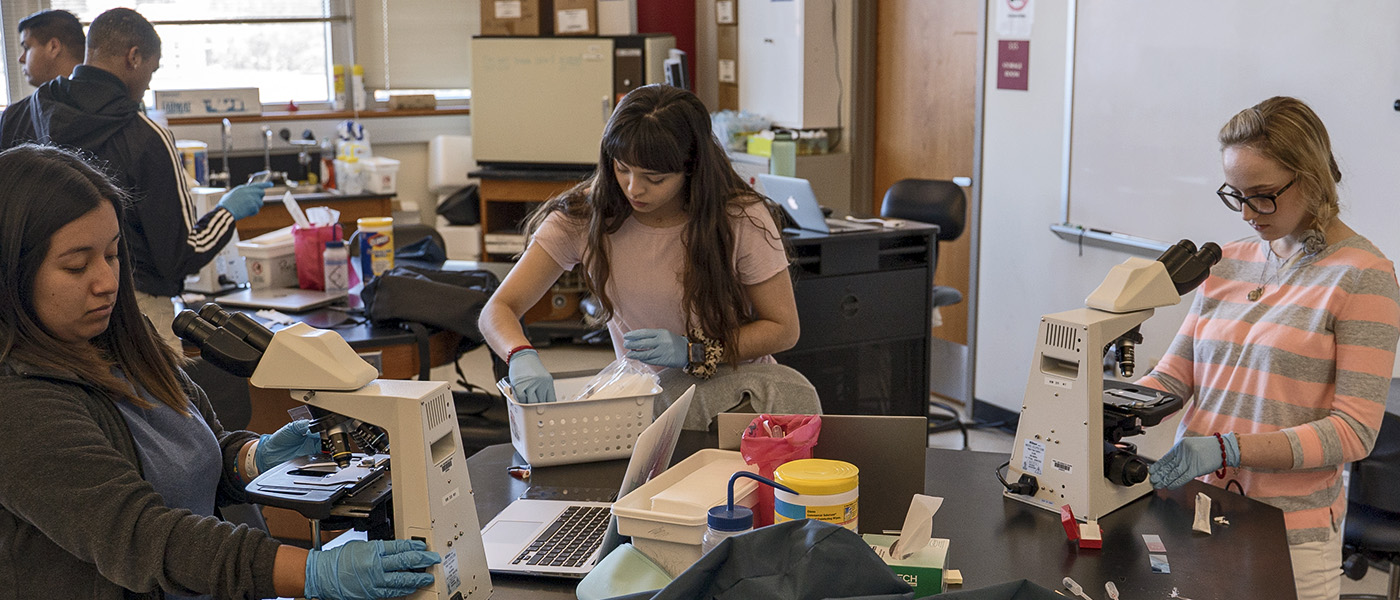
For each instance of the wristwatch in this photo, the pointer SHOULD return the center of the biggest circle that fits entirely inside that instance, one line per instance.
(695, 351)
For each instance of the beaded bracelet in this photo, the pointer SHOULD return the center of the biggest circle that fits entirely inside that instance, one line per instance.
(1224, 459)
(512, 352)
(714, 352)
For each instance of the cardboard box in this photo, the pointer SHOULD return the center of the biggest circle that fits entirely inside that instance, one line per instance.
(525, 18)
(922, 570)
(617, 17)
(575, 17)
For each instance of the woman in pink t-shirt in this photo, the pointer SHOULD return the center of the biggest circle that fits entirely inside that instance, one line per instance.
(683, 256)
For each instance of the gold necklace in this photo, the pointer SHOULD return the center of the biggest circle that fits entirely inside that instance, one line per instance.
(1258, 292)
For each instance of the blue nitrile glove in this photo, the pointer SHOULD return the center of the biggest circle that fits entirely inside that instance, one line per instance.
(292, 440)
(657, 347)
(364, 570)
(245, 200)
(532, 383)
(1193, 457)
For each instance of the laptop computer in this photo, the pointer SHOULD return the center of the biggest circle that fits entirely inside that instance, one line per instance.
(888, 450)
(798, 200)
(563, 538)
(283, 299)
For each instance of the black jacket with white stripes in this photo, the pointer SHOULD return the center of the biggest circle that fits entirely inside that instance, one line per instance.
(92, 113)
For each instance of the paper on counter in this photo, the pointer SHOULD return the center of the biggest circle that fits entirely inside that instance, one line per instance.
(918, 526)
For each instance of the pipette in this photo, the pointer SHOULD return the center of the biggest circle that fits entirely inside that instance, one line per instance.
(1074, 588)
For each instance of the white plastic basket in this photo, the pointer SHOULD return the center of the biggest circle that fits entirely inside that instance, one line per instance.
(565, 433)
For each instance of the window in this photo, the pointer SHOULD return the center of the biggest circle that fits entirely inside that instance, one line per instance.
(283, 47)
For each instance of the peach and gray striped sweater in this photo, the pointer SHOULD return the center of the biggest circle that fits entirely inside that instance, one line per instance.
(1312, 358)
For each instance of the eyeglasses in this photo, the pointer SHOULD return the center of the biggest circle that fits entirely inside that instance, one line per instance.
(1263, 204)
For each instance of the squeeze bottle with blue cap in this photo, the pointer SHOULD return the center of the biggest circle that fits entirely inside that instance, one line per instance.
(730, 520)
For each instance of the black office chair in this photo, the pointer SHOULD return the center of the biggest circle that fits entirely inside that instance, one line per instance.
(940, 203)
(1372, 530)
(944, 204)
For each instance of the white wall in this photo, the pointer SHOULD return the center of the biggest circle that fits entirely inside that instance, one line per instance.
(1024, 270)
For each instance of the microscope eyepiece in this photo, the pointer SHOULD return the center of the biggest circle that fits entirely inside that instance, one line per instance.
(191, 328)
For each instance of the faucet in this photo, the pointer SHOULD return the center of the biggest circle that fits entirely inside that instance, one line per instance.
(267, 148)
(222, 179)
(267, 174)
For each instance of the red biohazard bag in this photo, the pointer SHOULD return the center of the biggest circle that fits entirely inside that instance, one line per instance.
(768, 442)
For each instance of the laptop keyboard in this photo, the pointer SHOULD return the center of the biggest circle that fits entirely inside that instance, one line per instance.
(570, 540)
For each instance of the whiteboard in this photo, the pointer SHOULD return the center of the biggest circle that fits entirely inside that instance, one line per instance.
(1153, 82)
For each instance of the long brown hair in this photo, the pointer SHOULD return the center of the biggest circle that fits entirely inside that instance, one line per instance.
(45, 189)
(1288, 132)
(667, 129)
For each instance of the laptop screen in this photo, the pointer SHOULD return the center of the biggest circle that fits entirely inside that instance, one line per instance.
(798, 200)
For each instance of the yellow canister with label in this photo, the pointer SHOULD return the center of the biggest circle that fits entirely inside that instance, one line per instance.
(376, 245)
(827, 490)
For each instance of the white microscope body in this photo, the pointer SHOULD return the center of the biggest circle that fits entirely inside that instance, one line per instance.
(431, 490)
(1060, 439)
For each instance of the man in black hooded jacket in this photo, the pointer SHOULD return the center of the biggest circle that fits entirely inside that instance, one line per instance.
(98, 112)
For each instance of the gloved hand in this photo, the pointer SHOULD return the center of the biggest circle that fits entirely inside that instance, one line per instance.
(245, 200)
(657, 347)
(292, 440)
(533, 384)
(1193, 457)
(364, 570)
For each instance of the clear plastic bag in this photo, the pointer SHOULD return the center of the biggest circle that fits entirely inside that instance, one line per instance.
(621, 379)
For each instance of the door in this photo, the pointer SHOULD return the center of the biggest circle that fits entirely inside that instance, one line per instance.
(925, 106)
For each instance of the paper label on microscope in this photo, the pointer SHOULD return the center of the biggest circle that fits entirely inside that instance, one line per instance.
(1062, 466)
(452, 495)
(450, 570)
(1033, 457)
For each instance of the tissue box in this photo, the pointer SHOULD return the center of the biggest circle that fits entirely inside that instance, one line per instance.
(922, 570)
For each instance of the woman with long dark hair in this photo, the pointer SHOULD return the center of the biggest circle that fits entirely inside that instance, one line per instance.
(683, 257)
(111, 460)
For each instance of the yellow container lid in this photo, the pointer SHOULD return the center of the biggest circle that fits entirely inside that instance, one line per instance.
(374, 222)
(818, 476)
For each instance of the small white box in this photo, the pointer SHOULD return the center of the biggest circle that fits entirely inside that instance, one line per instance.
(577, 431)
(463, 241)
(271, 262)
(381, 174)
(671, 529)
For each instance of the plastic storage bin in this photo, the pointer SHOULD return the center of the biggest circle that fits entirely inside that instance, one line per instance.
(564, 433)
(381, 174)
(270, 259)
(666, 516)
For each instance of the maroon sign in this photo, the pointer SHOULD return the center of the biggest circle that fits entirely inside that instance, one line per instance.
(1013, 64)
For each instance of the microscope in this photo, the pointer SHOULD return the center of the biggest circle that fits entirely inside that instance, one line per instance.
(1069, 446)
(424, 493)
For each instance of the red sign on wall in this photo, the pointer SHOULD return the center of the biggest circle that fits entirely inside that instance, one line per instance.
(1013, 64)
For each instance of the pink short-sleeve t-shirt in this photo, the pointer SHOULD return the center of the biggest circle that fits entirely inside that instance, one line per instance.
(648, 264)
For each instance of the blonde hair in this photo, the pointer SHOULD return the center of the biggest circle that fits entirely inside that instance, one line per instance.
(1286, 131)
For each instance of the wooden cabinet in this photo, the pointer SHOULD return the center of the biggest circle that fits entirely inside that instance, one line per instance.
(507, 199)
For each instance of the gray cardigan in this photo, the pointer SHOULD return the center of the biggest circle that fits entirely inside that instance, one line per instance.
(78, 521)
